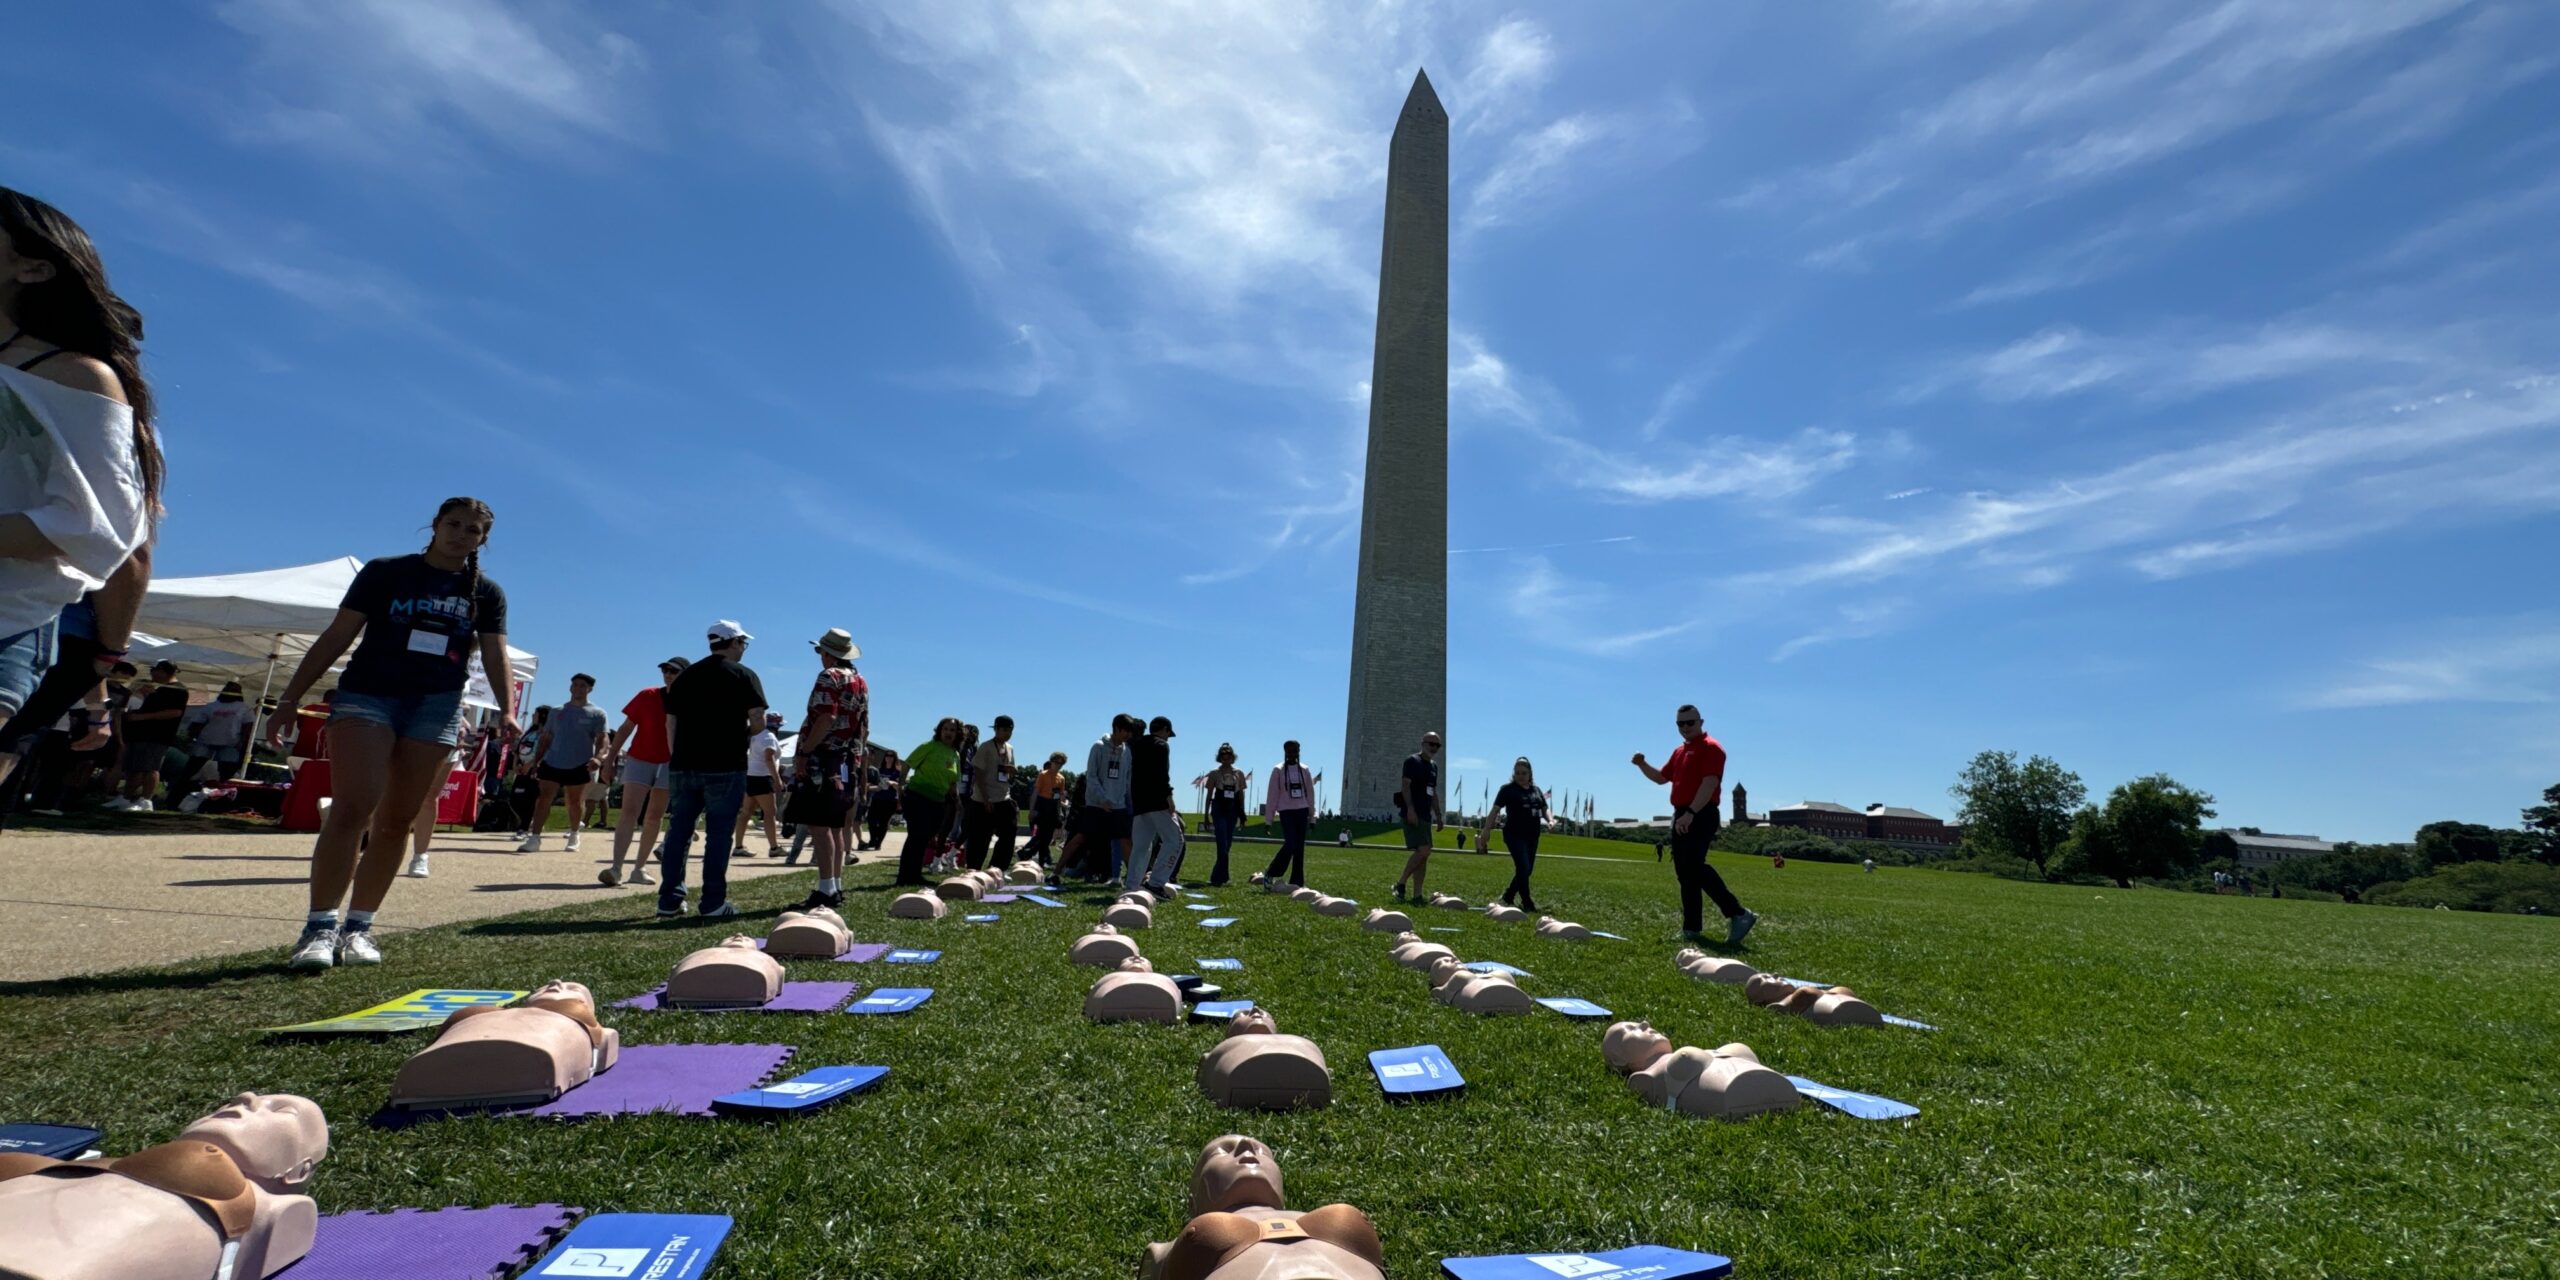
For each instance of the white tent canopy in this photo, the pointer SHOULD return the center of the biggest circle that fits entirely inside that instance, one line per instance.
(262, 622)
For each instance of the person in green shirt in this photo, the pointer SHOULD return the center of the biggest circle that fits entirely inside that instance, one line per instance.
(932, 770)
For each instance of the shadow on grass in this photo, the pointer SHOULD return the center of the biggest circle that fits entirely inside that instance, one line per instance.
(135, 980)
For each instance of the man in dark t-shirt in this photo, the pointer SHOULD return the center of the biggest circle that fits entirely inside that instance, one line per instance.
(152, 713)
(712, 709)
(1418, 800)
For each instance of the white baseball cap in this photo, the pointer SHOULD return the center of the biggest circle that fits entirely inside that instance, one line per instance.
(727, 629)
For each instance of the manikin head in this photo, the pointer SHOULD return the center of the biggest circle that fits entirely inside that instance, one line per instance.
(1445, 968)
(740, 941)
(1766, 989)
(1137, 964)
(1105, 928)
(560, 996)
(1255, 1021)
(1235, 1173)
(1631, 1046)
(277, 1139)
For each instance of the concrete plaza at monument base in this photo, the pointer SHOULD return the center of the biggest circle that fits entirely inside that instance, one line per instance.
(2120, 1082)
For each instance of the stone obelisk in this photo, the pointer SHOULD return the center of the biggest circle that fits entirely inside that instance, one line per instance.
(1400, 624)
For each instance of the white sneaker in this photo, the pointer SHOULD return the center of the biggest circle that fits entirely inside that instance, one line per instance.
(141, 806)
(117, 805)
(573, 842)
(315, 950)
(355, 946)
(532, 844)
(722, 911)
(417, 868)
(609, 877)
(640, 875)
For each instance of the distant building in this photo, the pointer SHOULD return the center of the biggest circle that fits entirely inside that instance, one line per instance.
(1883, 823)
(2267, 849)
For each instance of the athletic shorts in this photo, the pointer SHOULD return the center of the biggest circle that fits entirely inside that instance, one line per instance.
(418, 717)
(1417, 835)
(145, 757)
(577, 777)
(644, 773)
(759, 786)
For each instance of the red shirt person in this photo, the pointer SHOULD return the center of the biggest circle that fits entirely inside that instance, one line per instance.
(642, 747)
(1696, 774)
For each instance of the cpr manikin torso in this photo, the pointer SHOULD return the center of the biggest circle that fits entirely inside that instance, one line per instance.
(1331, 906)
(1381, 920)
(1706, 968)
(1450, 900)
(734, 975)
(1132, 911)
(1497, 911)
(1767, 988)
(1471, 992)
(1550, 927)
(231, 1184)
(1242, 1229)
(1831, 1007)
(1256, 1066)
(1304, 894)
(968, 886)
(818, 932)
(1104, 946)
(918, 905)
(1134, 992)
(1024, 873)
(1414, 953)
(534, 1052)
(1727, 1082)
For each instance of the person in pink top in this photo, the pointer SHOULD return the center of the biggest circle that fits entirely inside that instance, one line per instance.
(1291, 798)
(1696, 774)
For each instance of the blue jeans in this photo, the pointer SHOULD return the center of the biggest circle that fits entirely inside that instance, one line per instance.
(712, 799)
(24, 658)
(1225, 826)
(414, 717)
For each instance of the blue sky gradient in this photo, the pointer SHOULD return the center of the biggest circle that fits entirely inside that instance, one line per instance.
(2157, 387)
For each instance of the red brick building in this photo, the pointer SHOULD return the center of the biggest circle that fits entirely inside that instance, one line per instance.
(1879, 822)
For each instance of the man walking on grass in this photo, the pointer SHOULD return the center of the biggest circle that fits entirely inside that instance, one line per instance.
(1155, 827)
(1418, 800)
(1103, 820)
(1696, 774)
(570, 750)
(991, 808)
(712, 709)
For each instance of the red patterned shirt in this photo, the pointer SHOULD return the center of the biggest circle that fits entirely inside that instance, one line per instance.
(845, 698)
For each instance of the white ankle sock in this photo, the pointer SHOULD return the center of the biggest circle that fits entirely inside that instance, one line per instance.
(321, 917)
(357, 920)
(830, 886)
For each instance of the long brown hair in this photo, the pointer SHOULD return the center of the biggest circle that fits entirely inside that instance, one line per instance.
(471, 562)
(75, 310)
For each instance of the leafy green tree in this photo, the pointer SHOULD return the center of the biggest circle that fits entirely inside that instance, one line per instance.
(2542, 822)
(2444, 844)
(2479, 886)
(2017, 810)
(2151, 827)
(2351, 866)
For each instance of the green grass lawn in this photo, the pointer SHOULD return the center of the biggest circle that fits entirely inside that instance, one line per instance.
(2141, 1083)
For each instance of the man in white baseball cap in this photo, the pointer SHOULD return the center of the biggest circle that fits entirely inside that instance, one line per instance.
(712, 710)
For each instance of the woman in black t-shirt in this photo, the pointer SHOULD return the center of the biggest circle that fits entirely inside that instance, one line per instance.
(395, 717)
(1524, 814)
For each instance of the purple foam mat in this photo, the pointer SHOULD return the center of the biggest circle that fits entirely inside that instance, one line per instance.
(679, 1079)
(796, 997)
(858, 953)
(445, 1244)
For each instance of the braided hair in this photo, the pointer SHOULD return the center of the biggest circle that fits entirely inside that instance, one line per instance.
(471, 563)
(76, 311)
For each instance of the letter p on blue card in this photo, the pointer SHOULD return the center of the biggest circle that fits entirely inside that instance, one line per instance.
(637, 1246)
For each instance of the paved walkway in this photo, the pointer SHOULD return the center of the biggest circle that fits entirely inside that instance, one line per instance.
(73, 903)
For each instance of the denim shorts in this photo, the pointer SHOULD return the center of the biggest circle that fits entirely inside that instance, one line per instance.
(641, 773)
(24, 658)
(418, 717)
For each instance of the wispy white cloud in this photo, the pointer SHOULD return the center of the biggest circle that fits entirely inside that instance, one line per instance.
(1855, 620)
(2174, 364)
(1543, 546)
(395, 84)
(2512, 660)
(1512, 63)
(1564, 613)
(1540, 167)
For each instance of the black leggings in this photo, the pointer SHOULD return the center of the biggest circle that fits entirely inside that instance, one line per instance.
(927, 818)
(1293, 848)
(1524, 859)
(884, 806)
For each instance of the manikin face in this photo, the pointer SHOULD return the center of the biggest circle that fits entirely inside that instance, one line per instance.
(277, 1139)
(557, 996)
(1235, 1172)
(1253, 1022)
(1137, 964)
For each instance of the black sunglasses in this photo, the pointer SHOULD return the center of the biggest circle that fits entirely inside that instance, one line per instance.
(1684, 723)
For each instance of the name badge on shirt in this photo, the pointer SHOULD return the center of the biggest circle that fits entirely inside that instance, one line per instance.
(1113, 771)
(1296, 790)
(428, 642)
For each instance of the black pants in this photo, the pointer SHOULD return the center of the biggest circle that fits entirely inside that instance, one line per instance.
(990, 823)
(927, 817)
(1524, 859)
(1044, 828)
(1689, 861)
(1293, 848)
(1224, 825)
(883, 808)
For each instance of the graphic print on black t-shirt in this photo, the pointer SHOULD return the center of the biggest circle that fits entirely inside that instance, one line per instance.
(1425, 777)
(420, 623)
(1524, 809)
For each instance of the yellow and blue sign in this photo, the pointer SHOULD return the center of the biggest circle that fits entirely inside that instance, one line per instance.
(412, 1012)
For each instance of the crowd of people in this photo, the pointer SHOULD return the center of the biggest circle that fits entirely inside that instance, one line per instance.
(701, 750)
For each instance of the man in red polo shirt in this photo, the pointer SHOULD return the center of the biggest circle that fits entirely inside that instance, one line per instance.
(1696, 774)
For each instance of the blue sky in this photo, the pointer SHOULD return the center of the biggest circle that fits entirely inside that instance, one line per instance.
(2159, 387)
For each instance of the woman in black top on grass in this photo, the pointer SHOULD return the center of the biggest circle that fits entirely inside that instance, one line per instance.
(1524, 814)
(395, 717)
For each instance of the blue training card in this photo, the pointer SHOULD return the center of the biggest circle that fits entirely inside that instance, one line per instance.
(52, 1141)
(1891, 1020)
(1217, 922)
(1573, 1008)
(1042, 900)
(661, 1246)
(1218, 1010)
(1643, 1262)
(1227, 962)
(1865, 1106)
(912, 957)
(988, 918)
(1198, 906)
(805, 1092)
(891, 1000)
(1610, 936)
(1442, 928)
(1410, 1075)
(1495, 966)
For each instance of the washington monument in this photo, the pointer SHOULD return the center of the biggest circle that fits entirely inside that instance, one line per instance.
(1400, 625)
